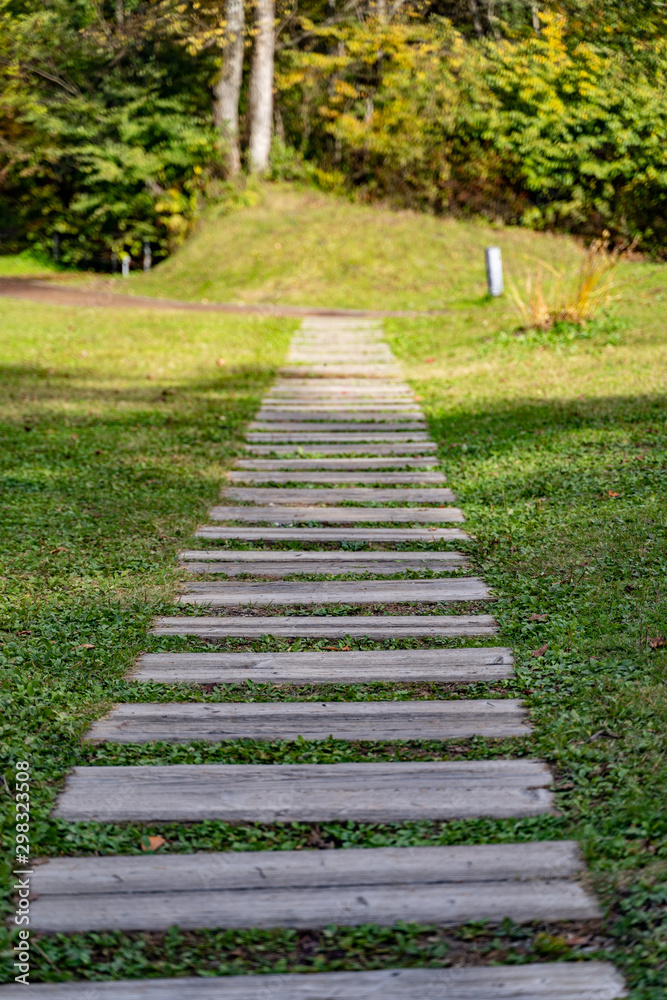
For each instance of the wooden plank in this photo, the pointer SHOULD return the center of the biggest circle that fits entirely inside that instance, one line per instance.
(308, 400)
(267, 793)
(339, 515)
(427, 448)
(384, 536)
(350, 437)
(447, 905)
(426, 560)
(327, 627)
(214, 722)
(325, 427)
(308, 476)
(263, 563)
(333, 495)
(315, 667)
(367, 371)
(553, 981)
(343, 464)
(342, 414)
(223, 593)
(279, 570)
(375, 866)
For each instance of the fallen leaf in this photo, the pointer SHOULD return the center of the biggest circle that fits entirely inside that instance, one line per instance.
(538, 618)
(221, 362)
(339, 649)
(429, 361)
(657, 640)
(62, 548)
(152, 843)
(610, 493)
(541, 651)
(86, 645)
(575, 939)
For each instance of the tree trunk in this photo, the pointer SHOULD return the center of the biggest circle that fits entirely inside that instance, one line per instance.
(228, 86)
(476, 19)
(120, 13)
(261, 86)
(537, 27)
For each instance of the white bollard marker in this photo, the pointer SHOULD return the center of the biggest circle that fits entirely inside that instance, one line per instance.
(125, 262)
(494, 271)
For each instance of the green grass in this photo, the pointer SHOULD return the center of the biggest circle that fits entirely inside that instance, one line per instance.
(26, 265)
(114, 449)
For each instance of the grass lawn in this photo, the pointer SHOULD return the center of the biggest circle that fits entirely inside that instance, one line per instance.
(24, 265)
(117, 427)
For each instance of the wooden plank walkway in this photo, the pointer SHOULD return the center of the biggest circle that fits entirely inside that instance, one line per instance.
(303, 793)
(340, 394)
(312, 667)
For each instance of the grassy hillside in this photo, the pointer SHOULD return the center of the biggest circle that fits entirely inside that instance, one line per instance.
(304, 247)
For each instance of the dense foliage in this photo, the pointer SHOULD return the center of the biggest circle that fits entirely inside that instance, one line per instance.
(553, 117)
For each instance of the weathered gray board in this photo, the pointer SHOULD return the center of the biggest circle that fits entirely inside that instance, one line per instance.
(304, 414)
(329, 427)
(432, 560)
(426, 448)
(365, 464)
(308, 476)
(228, 593)
(327, 627)
(314, 667)
(385, 536)
(381, 372)
(294, 890)
(268, 793)
(264, 563)
(552, 981)
(177, 722)
(305, 403)
(339, 515)
(336, 494)
(342, 437)
(279, 571)
(340, 371)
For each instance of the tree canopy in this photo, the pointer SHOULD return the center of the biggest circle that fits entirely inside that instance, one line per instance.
(120, 117)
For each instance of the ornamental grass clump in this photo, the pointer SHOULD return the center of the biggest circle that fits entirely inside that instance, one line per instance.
(574, 298)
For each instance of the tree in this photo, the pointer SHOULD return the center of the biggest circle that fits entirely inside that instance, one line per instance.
(261, 86)
(227, 89)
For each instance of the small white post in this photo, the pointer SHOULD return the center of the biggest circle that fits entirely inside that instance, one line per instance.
(125, 262)
(148, 257)
(494, 271)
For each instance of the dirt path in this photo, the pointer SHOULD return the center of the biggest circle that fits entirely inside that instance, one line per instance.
(51, 293)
